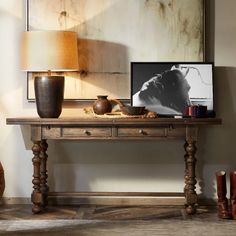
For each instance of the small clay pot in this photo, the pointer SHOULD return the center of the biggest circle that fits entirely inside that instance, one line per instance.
(102, 105)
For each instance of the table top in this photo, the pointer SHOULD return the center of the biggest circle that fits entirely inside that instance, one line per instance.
(109, 121)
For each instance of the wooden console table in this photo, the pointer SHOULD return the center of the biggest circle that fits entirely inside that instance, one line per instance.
(111, 129)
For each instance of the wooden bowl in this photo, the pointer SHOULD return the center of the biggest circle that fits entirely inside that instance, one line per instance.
(132, 110)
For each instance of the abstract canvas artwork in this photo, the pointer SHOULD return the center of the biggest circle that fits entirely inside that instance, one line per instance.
(113, 33)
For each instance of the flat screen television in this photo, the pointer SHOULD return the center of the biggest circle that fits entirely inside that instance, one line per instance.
(168, 88)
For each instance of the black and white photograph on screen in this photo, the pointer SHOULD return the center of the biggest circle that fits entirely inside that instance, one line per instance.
(168, 88)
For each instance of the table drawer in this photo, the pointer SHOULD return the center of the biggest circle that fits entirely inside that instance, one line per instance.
(86, 132)
(176, 133)
(141, 132)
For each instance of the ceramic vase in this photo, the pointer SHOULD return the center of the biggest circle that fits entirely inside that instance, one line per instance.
(102, 105)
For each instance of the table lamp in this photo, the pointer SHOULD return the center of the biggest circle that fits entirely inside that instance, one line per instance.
(49, 51)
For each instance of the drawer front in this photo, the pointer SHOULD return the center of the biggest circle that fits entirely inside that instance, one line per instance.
(141, 132)
(176, 133)
(51, 132)
(86, 132)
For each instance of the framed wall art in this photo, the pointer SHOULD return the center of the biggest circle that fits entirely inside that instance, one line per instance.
(112, 33)
(168, 88)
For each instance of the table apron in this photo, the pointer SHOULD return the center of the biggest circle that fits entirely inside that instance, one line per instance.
(89, 132)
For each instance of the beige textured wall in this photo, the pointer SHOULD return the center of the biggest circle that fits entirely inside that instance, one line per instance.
(118, 166)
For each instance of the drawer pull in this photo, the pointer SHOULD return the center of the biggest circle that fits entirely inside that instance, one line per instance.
(141, 131)
(87, 132)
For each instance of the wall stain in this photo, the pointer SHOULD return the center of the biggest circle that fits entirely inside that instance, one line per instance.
(189, 30)
(171, 4)
(158, 6)
(62, 19)
(63, 13)
(162, 9)
(185, 28)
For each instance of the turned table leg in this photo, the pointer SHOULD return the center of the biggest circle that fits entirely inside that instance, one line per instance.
(36, 196)
(186, 169)
(190, 166)
(190, 179)
(43, 179)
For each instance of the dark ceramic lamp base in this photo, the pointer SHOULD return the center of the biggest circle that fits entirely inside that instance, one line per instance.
(49, 95)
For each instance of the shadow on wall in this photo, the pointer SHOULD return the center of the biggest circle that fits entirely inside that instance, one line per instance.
(145, 160)
(216, 144)
(126, 161)
(222, 138)
(102, 56)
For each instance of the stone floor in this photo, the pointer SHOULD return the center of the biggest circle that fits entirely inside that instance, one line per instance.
(113, 221)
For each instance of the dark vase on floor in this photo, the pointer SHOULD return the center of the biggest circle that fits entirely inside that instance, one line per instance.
(102, 105)
(49, 95)
(2, 181)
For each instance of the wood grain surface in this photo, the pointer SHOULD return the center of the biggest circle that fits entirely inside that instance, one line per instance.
(99, 121)
(113, 221)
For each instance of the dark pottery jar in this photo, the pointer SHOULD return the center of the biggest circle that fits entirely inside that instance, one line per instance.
(2, 181)
(102, 105)
(49, 95)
